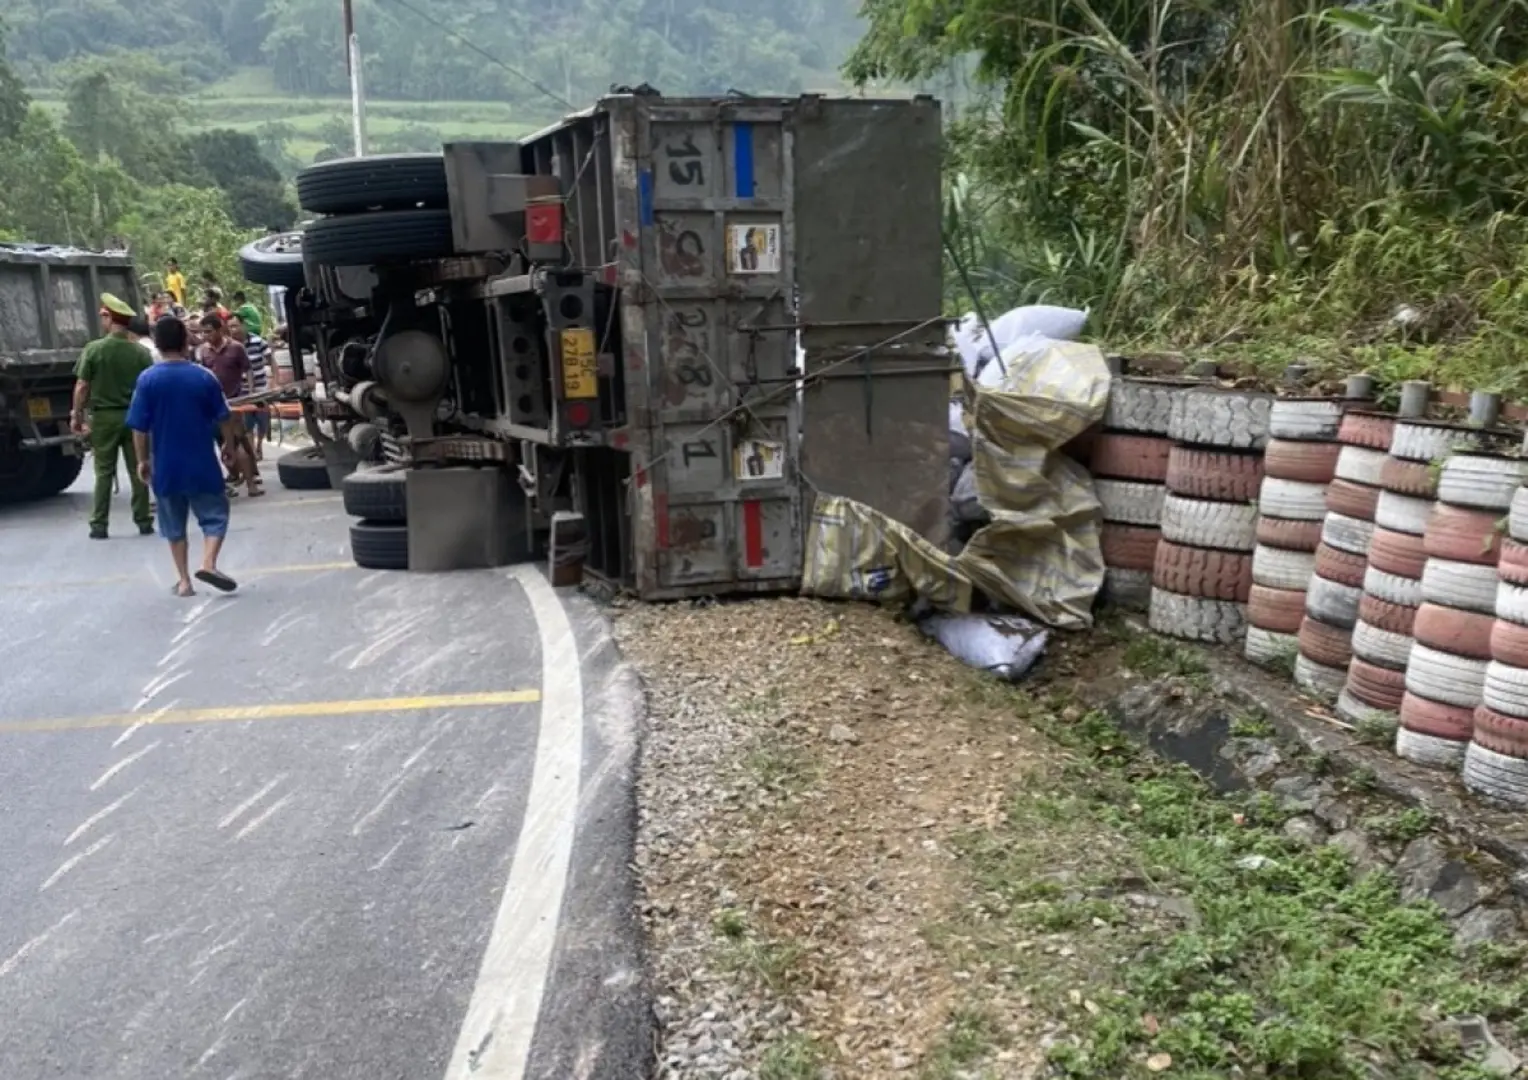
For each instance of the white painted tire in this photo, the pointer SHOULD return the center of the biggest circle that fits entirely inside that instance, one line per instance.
(1481, 482)
(1392, 588)
(1465, 586)
(1429, 750)
(1422, 442)
(1269, 648)
(1402, 513)
(1128, 589)
(1381, 647)
(1512, 603)
(1307, 419)
(1445, 678)
(1505, 689)
(1495, 776)
(1223, 418)
(1347, 534)
(1292, 500)
(1126, 502)
(1206, 524)
(1361, 465)
(1196, 618)
(1332, 603)
(1350, 708)
(1517, 517)
(1276, 568)
(1140, 406)
(1324, 682)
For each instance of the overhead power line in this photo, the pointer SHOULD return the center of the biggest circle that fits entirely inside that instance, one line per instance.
(484, 53)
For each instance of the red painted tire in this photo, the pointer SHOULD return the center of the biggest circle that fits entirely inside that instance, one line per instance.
(1289, 535)
(1503, 734)
(1366, 429)
(1461, 535)
(1436, 719)
(1414, 478)
(1375, 686)
(1279, 610)
(1343, 567)
(1129, 547)
(1513, 566)
(1192, 571)
(1352, 500)
(1214, 474)
(1463, 633)
(1329, 646)
(1509, 643)
(1130, 457)
(1392, 618)
(1397, 553)
(1307, 462)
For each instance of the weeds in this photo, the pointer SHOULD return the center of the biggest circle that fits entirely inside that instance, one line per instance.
(791, 1057)
(1154, 656)
(1401, 826)
(972, 1033)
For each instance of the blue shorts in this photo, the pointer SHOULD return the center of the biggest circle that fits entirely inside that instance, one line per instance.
(258, 422)
(211, 512)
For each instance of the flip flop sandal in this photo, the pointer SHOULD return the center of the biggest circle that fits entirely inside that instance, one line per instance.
(217, 579)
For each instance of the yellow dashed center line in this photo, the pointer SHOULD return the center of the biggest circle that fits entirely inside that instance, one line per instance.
(278, 711)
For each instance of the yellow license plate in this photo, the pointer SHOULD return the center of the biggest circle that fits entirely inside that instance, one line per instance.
(39, 408)
(580, 369)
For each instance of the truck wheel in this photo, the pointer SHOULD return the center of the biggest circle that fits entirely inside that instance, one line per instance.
(377, 495)
(384, 236)
(383, 182)
(274, 260)
(303, 470)
(379, 546)
(59, 471)
(21, 471)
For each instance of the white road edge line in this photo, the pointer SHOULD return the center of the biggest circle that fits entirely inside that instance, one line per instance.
(495, 1040)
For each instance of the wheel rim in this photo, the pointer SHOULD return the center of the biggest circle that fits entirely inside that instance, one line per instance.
(286, 243)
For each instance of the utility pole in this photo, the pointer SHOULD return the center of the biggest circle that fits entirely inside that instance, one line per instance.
(357, 94)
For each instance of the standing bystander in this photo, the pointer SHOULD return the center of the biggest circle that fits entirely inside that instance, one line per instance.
(104, 378)
(258, 419)
(176, 412)
(227, 360)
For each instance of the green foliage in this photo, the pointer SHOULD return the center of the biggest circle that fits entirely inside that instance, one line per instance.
(1264, 178)
(191, 225)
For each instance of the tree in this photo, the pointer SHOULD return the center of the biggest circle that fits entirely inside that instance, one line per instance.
(14, 100)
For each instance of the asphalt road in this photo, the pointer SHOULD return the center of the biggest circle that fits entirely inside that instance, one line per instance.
(339, 824)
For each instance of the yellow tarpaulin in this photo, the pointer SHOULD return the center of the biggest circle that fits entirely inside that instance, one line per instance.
(1040, 552)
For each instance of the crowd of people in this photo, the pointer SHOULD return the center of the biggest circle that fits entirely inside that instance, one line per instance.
(155, 391)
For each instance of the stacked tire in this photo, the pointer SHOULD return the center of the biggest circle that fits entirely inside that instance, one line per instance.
(1298, 465)
(377, 210)
(1129, 462)
(1447, 667)
(1496, 761)
(1344, 510)
(1392, 580)
(1202, 575)
(378, 499)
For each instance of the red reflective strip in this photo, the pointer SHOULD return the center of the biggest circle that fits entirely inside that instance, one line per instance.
(660, 514)
(753, 534)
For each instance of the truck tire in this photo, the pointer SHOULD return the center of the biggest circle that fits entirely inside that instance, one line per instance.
(383, 182)
(384, 236)
(379, 546)
(59, 472)
(1230, 420)
(21, 473)
(303, 470)
(274, 260)
(377, 495)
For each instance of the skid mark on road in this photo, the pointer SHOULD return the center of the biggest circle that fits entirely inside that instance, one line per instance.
(238, 811)
(496, 1036)
(119, 766)
(95, 819)
(31, 946)
(269, 812)
(74, 860)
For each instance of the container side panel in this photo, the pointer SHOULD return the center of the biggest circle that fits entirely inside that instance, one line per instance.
(20, 320)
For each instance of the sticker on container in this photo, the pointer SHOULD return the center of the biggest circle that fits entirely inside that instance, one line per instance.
(758, 459)
(753, 249)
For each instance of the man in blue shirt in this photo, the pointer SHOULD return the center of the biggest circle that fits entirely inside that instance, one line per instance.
(176, 410)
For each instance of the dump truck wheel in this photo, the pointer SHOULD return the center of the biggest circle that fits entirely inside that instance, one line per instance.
(377, 495)
(379, 546)
(60, 471)
(383, 182)
(274, 260)
(385, 236)
(303, 470)
(21, 472)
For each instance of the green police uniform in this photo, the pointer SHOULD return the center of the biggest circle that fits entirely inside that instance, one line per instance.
(111, 365)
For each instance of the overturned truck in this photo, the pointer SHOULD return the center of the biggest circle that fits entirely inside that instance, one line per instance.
(640, 339)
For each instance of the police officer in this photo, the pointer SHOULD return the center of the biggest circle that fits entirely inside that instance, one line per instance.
(105, 376)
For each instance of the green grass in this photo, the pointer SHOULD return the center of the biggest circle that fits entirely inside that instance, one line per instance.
(791, 1057)
(1273, 959)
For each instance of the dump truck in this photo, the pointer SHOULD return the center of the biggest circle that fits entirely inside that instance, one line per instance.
(49, 299)
(637, 342)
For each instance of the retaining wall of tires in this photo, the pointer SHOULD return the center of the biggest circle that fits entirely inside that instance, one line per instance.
(1202, 576)
(1496, 759)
